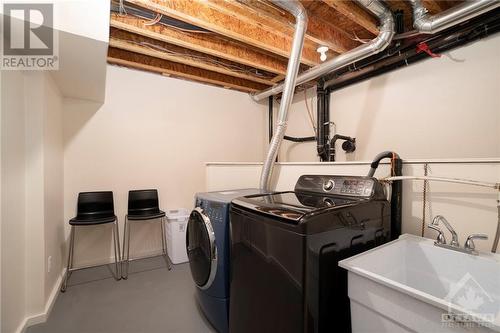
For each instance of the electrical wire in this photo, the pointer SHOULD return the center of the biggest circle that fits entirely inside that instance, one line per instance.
(122, 9)
(155, 20)
(357, 39)
(233, 68)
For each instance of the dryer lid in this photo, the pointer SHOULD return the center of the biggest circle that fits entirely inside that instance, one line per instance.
(293, 206)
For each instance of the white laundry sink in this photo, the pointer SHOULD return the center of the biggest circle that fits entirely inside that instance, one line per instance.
(411, 285)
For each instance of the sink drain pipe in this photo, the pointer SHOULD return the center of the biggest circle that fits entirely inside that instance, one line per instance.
(375, 46)
(396, 189)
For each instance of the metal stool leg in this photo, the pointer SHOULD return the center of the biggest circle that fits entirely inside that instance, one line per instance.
(118, 248)
(124, 244)
(164, 243)
(126, 249)
(69, 265)
(117, 274)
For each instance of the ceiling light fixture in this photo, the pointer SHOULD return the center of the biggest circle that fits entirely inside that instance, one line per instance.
(322, 51)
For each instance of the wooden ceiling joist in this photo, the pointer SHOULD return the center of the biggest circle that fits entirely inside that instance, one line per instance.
(323, 13)
(355, 14)
(243, 44)
(434, 6)
(150, 47)
(319, 33)
(161, 66)
(203, 42)
(198, 13)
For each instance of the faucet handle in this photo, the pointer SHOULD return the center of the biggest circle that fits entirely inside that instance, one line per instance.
(440, 238)
(469, 243)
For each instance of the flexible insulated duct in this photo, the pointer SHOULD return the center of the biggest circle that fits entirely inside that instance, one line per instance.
(376, 45)
(361, 52)
(298, 11)
(430, 24)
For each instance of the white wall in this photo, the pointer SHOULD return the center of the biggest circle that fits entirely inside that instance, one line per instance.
(32, 197)
(152, 132)
(53, 186)
(85, 18)
(437, 108)
(13, 198)
(1, 106)
(299, 125)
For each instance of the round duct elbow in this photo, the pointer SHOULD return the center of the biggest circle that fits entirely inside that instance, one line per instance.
(423, 25)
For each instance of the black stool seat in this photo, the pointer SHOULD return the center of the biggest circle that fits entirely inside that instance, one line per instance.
(146, 215)
(142, 205)
(94, 220)
(93, 208)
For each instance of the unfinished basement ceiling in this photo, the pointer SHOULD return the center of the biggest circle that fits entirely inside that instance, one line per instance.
(236, 44)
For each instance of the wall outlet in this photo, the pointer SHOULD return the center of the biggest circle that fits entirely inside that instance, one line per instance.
(49, 264)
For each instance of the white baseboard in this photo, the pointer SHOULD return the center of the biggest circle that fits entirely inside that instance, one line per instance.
(42, 317)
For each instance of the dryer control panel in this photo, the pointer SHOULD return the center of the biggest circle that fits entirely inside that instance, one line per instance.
(358, 186)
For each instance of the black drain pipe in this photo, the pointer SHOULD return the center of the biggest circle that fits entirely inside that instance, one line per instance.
(303, 139)
(349, 145)
(397, 189)
(397, 200)
(270, 119)
(323, 122)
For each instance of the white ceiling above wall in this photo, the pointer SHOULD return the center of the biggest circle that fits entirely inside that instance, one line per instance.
(82, 67)
(87, 18)
(82, 37)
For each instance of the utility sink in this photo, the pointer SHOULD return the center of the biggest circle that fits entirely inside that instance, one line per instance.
(411, 285)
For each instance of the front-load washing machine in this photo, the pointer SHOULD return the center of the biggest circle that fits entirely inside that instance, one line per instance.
(207, 244)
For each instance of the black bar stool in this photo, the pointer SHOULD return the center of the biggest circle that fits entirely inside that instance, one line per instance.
(142, 206)
(93, 208)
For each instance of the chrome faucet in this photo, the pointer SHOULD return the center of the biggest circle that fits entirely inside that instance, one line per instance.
(469, 247)
(469, 243)
(440, 238)
(454, 236)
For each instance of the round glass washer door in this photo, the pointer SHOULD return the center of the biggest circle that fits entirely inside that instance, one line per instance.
(201, 249)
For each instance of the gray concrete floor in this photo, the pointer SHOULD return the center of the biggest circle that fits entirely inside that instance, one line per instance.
(152, 300)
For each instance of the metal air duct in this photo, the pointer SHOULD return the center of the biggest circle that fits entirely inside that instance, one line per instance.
(430, 24)
(378, 44)
(291, 80)
(298, 11)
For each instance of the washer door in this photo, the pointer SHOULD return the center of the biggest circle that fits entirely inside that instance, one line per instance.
(201, 249)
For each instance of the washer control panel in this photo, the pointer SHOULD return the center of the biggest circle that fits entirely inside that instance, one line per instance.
(213, 210)
(358, 186)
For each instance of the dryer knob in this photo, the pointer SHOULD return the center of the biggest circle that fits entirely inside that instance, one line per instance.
(328, 185)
